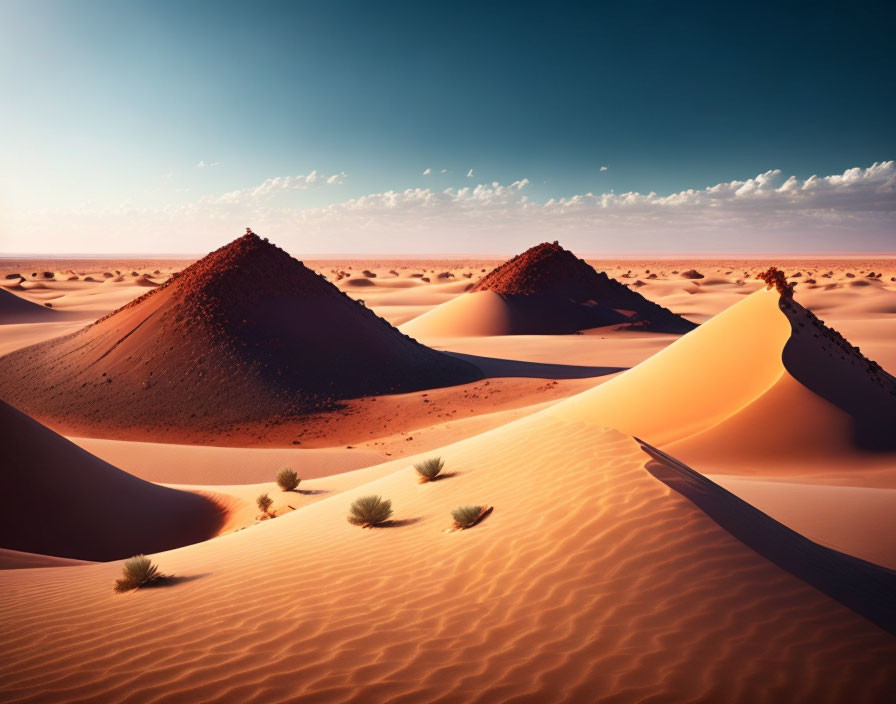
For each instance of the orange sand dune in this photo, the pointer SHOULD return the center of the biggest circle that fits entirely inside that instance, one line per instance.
(699, 380)
(591, 580)
(60, 500)
(760, 385)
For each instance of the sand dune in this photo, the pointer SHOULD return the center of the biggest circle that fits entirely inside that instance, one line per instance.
(699, 380)
(19, 310)
(545, 290)
(59, 500)
(603, 584)
(245, 336)
(486, 313)
(755, 385)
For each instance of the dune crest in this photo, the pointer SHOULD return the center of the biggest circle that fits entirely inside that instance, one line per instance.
(697, 381)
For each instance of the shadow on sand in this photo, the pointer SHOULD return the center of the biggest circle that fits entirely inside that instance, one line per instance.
(399, 523)
(497, 367)
(172, 580)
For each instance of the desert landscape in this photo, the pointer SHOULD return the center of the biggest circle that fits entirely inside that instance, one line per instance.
(707, 463)
(405, 352)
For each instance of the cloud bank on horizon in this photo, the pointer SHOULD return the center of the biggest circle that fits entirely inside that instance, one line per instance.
(766, 213)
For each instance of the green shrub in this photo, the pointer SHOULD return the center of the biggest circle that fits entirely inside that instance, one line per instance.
(137, 572)
(370, 511)
(429, 469)
(288, 479)
(264, 502)
(466, 516)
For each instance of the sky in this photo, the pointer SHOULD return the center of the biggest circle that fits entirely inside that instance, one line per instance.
(447, 127)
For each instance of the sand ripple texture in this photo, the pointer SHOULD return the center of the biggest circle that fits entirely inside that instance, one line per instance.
(592, 581)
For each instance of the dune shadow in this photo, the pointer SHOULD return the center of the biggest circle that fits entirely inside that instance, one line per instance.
(864, 587)
(497, 367)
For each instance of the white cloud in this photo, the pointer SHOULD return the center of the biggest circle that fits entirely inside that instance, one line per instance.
(764, 213)
(856, 190)
(470, 173)
(427, 172)
(444, 171)
(855, 210)
(273, 186)
(207, 164)
(603, 168)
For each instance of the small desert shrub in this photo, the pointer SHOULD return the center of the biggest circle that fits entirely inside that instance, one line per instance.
(264, 502)
(429, 469)
(466, 516)
(137, 572)
(370, 511)
(288, 479)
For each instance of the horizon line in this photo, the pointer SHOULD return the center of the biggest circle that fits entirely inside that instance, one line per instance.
(465, 255)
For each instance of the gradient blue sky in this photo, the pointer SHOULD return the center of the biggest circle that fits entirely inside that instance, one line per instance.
(111, 107)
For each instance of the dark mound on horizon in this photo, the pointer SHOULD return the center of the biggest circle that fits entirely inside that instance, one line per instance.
(57, 499)
(548, 271)
(246, 335)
